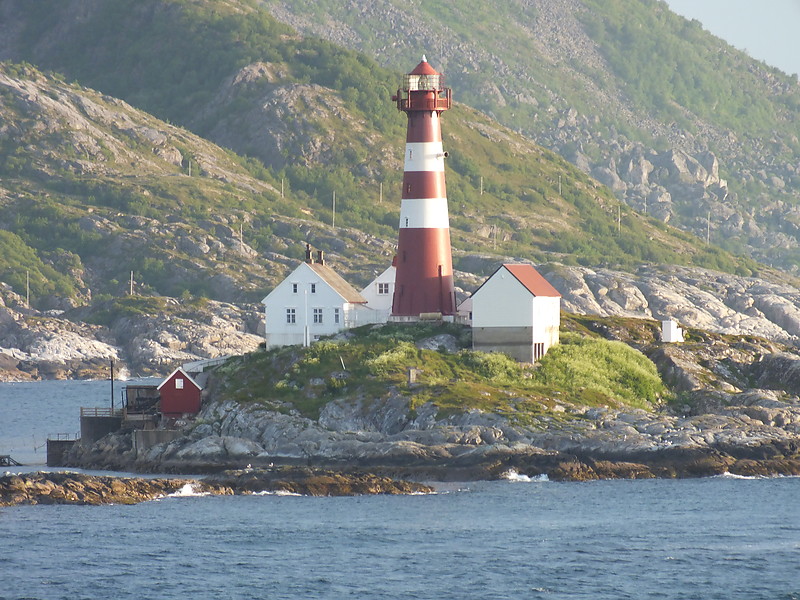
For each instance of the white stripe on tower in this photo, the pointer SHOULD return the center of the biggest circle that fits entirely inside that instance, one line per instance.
(424, 156)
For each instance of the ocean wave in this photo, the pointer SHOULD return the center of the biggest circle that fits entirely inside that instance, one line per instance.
(276, 493)
(187, 491)
(514, 475)
(727, 475)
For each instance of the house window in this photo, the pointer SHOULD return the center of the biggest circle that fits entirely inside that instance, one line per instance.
(179, 384)
(336, 315)
(291, 316)
(313, 288)
(383, 289)
(294, 288)
(318, 315)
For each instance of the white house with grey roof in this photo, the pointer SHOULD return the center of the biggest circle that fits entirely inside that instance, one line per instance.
(313, 301)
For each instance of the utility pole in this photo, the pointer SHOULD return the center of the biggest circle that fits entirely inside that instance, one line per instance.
(112, 387)
(281, 187)
(481, 185)
(131, 292)
(241, 238)
(619, 219)
(380, 194)
(559, 185)
(28, 289)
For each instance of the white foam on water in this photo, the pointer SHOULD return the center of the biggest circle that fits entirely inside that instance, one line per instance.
(727, 475)
(514, 475)
(187, 491)
(276, 493)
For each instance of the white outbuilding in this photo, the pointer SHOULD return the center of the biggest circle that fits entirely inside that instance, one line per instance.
(515, 311)
(670, 332)
(313, 301)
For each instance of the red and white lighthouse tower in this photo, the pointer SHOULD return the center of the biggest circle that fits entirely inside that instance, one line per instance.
(424, 277)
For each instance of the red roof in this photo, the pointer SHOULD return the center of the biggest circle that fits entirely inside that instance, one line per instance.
(424, 68)
(532, 280)
(184, 374)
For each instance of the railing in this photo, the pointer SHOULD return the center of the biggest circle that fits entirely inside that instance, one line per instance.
(100, 412)
(63, 437)
(433, 101)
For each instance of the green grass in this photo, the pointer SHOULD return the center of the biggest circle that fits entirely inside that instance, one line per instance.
(581, 371)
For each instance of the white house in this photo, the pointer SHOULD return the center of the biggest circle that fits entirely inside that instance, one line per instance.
(515, 311)
(313, 301)
(379, 294)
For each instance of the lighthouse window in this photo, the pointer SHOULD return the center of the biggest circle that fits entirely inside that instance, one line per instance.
(410, 154)
(408, 188)
(383, 288)
(406, 221)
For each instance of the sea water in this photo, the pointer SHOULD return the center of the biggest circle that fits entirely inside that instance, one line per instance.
(724, 537)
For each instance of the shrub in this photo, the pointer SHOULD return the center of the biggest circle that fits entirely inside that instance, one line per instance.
(597, 369)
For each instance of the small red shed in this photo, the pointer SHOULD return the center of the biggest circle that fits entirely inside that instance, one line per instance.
(180, 395)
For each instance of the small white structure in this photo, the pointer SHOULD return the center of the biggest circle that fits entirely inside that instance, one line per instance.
(515, 311)
(379, 294)
(313, 301)
(670, 332)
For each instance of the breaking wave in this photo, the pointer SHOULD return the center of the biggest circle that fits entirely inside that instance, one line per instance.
(187, 491)
(514, 475)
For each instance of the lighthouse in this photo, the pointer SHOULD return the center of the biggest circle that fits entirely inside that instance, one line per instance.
(424, 276)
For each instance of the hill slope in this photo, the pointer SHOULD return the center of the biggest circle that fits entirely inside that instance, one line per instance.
(679, 123)
(321, 121)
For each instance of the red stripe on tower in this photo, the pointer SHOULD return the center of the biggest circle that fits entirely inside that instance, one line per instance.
(424, 276)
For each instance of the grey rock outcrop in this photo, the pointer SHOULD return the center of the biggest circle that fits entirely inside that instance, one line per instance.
(36, 345)
(694, 297)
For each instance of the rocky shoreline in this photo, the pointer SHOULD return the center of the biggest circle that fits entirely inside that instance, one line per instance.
(82, 489)
(734, 409)
(758, 439)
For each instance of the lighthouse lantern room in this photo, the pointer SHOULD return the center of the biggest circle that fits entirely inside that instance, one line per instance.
(424, 278)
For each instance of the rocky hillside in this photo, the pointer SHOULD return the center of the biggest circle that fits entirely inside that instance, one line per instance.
(678, 123)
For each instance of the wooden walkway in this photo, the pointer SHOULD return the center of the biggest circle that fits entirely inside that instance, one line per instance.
(7, 461)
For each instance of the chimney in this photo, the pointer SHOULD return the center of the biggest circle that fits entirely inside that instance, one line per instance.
(320, 257)
(308, 254)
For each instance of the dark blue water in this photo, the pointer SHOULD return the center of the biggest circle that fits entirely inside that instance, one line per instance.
(719, 538)
(32, 411)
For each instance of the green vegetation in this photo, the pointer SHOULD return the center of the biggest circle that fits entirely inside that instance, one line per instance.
(373, 364)
(680, 68)
(593, 368)
(21, 266)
